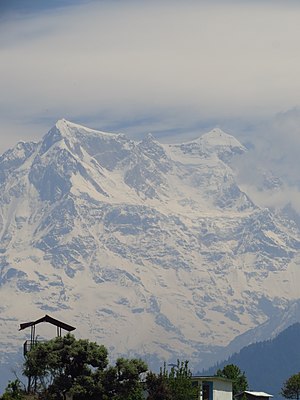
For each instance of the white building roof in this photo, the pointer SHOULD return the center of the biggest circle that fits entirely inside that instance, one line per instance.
(258, 394)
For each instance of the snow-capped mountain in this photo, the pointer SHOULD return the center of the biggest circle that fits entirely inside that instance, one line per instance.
(151, 249)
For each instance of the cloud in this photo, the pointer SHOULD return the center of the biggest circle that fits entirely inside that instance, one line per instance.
(269, 173)
(276, 147)
(276, 199)
(173, 68)
(174, 64)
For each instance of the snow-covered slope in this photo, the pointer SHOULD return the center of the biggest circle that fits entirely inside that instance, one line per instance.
(151, 249)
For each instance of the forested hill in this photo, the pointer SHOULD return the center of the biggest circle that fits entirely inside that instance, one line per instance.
(268, 364)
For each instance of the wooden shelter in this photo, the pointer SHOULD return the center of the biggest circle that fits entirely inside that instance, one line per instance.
(33, 340)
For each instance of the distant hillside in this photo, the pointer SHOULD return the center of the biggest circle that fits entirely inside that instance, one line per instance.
(268, 364)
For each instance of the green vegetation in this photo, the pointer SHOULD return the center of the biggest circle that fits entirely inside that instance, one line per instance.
(239, 380)
(13, 391)
(66, 366)
(291, 387)
(173, 385)
(80, 367)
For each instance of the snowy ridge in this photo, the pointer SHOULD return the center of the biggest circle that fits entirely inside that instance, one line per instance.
(151, 249)
(217, 139)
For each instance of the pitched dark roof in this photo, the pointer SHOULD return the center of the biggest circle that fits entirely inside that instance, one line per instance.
(49, 319)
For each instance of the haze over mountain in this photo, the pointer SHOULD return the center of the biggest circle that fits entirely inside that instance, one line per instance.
(151, 249)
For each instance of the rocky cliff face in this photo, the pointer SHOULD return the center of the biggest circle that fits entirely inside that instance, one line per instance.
(150, 249)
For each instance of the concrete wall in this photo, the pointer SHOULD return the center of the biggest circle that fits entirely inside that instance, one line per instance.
(222, 390)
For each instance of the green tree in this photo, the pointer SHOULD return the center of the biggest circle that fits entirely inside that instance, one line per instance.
(239, 380)
(291, 387)
(122, 381)
(158, 385)
(175, 385)
(80, 367)
(63, 365)
(180, 381)
(13, 391)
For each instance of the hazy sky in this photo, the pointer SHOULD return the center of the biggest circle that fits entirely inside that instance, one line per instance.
(166, 67)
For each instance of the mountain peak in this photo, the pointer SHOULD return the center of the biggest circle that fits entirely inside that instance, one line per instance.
(68, 128)
(65, 127)
(220, 141)
(72, 133)
(149, 138)
(63, 130)
(217, 131)
(217, 137)
(63, 124)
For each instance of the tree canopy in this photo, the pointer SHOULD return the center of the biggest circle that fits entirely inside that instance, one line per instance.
(291, 387)
(13, 391)
(239, 380)
(80, 367)
(67, 366)
(175, 384)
